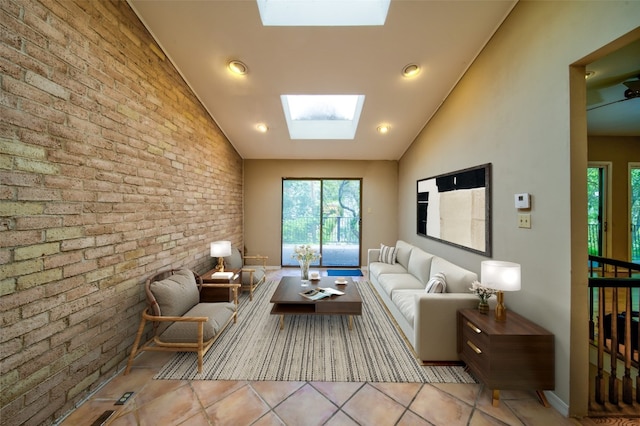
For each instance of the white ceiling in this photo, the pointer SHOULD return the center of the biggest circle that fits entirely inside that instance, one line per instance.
(443, 37)
(609, 113)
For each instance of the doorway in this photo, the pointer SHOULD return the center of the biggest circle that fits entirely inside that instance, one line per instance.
(585, 92)
(324, 214)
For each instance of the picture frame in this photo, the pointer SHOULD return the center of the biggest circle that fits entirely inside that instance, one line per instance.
(455, 208)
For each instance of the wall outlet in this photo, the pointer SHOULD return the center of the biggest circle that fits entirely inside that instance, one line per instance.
(524, 220)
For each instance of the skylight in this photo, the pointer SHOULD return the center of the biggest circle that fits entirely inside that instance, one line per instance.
(298, 13)
(322, 116)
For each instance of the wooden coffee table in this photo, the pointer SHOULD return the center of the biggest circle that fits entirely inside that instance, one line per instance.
(287, 300)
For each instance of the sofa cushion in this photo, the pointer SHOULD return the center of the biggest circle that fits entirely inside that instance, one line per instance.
(458, 279)
(184, 332)
(405, 301)
(420, 265)
(387, 254)
(379, 268)
(437, 283)
(403, 252)
(392, 282)
(177, 293)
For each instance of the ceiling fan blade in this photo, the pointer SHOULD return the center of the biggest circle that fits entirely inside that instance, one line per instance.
(609, 103)
(633, 85)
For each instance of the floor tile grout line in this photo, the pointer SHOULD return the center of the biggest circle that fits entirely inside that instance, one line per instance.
(131, 405)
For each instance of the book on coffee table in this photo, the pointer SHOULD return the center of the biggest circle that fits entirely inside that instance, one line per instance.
(320, 293)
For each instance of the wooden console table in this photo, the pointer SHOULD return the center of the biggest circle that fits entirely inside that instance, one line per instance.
(514, 354)
(212, 294)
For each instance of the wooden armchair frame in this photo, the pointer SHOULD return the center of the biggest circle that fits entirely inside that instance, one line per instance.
(152, 314)
(247, 269)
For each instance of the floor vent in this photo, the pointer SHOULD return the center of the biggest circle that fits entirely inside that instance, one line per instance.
(103, 418)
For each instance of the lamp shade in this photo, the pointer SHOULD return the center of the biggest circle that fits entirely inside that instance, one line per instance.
(220, 248)
(503, 276)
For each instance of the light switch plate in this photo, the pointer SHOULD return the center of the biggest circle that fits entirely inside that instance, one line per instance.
(524, 220)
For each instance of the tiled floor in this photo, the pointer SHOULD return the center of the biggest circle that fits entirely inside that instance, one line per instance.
(178, 402)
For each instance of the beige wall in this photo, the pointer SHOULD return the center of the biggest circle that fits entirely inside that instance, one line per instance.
(110, 170)
(620, 152)
(263, 200)
(511, 109)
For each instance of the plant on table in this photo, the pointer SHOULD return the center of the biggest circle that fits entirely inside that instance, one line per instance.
(305, 255)
(484, 293)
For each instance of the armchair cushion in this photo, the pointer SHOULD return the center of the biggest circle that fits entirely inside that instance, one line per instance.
(218, 315)
(237, 261)
(176, 294)
(234, 261)
(258, 274)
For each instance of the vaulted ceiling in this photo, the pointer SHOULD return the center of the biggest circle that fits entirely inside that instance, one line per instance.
(442, 37)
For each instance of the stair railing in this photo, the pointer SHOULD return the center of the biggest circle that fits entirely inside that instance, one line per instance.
(614, 287)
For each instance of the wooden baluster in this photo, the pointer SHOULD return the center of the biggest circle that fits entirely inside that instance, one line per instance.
(599, 397)
(638, 354)
(613, 384)
(627, 383)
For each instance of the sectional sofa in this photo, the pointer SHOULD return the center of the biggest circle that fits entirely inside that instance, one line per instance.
(427, 319)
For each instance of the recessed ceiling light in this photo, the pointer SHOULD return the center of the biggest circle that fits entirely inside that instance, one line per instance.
(238, 67)
(383, 129)
(410, 70)
(262, 128)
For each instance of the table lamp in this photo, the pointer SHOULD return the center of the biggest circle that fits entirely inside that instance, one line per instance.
(220, 249)
(501, 276)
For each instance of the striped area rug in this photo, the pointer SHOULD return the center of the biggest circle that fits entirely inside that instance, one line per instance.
(311, 348)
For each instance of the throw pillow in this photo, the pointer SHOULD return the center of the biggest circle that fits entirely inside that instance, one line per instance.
(177, 293)
(387, 254)
(437, 283)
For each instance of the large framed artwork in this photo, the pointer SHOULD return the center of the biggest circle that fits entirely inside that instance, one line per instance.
(455, 208)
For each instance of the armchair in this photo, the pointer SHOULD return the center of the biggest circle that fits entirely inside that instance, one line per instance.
(252, 274)
(180, 322)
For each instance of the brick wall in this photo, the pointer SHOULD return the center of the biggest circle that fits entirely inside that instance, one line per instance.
(110, 170)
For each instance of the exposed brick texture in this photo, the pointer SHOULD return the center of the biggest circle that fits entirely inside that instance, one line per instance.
(110, 170)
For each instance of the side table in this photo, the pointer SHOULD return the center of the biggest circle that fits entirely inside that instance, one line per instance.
(512, 354)
(223, 294)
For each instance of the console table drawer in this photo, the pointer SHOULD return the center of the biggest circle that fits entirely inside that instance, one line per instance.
(470, 331)
(474, 346)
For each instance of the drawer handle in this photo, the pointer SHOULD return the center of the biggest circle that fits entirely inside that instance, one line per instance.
(473, 327)
(474, 347)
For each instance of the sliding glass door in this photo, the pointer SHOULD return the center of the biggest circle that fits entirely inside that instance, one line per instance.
(341, 222)
(325, 214)
(300, 217)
